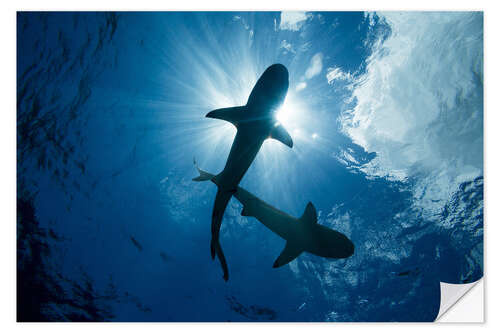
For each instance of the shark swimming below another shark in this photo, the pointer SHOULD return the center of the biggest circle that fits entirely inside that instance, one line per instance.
(302, 234)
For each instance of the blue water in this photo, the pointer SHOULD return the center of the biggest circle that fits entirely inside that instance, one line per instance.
(387, 130)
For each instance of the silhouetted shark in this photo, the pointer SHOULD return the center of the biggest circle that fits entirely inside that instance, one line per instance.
(301, 234)
(255, 122)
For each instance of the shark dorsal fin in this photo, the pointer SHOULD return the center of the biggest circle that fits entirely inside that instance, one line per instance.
(289, 253)
(310, 216)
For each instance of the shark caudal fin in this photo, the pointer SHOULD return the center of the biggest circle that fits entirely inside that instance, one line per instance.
(221, 200)
(203, 174)
(233, 115)
(215, 248)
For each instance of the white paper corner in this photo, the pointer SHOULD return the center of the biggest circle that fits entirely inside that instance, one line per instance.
(461, 303)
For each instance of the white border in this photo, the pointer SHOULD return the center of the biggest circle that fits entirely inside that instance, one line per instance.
(8, 168)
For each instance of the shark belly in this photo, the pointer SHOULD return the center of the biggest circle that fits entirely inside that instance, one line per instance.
(328, 243)
(245, 147)
(275, 220)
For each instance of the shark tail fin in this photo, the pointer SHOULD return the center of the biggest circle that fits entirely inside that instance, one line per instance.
(203, 174)
(215, 248)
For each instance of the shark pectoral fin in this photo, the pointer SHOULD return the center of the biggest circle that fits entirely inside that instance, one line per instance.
(279, 133)
(289, 253)
(233, 115)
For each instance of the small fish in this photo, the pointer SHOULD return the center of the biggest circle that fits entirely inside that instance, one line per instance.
(136, 243)
(301, 306)
(164, 256)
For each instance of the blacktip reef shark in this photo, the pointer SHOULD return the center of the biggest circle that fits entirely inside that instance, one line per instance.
(255, 122)
(302, 234)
